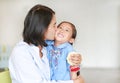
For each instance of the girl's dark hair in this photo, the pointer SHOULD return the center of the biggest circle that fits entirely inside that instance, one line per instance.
(36, 24)
(74, 31)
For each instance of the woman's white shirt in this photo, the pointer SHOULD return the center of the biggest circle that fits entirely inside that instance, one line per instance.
(26, 66)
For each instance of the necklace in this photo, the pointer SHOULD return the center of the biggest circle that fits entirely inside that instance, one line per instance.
(55, 54)
(40, 51)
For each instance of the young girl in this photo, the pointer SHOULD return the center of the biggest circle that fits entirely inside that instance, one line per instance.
(59, 50)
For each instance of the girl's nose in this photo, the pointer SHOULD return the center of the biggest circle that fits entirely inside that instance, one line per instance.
(62, 30)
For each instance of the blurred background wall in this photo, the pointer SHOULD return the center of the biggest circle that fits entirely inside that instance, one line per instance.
(97, 22)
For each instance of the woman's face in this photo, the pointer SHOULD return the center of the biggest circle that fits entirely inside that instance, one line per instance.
(50, 33)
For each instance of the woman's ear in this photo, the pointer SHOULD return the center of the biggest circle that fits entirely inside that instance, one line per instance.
(71, 40)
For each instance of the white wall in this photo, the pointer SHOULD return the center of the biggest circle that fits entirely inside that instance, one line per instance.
(97, 22)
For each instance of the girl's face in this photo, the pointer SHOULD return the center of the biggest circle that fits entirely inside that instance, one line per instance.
(64, 33)
(50, 33)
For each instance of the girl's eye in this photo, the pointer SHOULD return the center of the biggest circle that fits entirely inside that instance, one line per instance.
(60, 27)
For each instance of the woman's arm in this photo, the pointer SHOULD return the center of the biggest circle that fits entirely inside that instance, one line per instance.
(24, 68)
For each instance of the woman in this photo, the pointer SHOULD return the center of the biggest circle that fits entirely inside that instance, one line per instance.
(28, 62)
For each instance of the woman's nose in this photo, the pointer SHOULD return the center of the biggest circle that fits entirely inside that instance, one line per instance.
(55, 28)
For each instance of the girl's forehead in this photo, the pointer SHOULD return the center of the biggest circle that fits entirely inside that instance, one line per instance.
(66, 25)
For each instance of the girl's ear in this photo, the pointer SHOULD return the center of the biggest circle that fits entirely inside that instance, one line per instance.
(71, 40)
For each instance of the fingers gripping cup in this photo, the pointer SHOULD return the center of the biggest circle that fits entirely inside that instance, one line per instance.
(74, 70)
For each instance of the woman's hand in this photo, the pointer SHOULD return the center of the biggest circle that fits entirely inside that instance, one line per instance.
(79, 80)
(75, 59)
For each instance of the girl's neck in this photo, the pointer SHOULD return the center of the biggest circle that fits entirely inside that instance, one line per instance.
(57, 43)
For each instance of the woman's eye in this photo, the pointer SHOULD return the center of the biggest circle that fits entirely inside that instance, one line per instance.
(67, 30)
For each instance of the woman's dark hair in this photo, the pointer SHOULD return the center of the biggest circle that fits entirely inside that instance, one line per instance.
(36, 24)
(74, 31)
